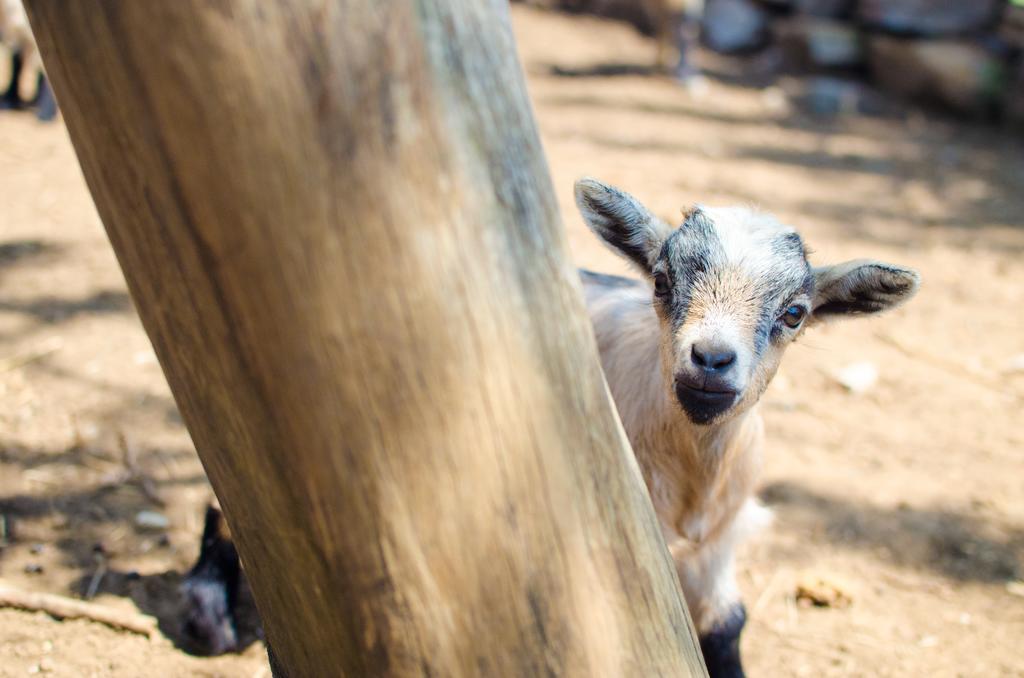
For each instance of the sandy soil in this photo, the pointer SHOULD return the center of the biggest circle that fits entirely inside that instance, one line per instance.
(910, 497)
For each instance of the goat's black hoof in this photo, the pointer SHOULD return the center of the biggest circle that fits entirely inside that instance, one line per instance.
(46, 110)
(46, 114)
(721, 646)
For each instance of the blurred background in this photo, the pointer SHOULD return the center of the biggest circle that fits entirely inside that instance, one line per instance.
(879, 128)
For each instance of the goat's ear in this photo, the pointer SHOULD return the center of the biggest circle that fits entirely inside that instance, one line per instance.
(621, 222)
(861, 287)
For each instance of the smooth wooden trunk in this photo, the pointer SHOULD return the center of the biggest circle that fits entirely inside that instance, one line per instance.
(338, 228)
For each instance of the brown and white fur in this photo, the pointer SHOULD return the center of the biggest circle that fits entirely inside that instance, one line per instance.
(687, 361)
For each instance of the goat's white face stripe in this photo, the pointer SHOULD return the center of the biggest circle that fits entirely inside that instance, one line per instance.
(736, 266)
(720, 326)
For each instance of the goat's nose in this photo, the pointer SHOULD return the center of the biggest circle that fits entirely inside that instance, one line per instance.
(711, 356)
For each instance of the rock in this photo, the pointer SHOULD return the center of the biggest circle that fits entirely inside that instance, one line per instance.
(810, 43)
(151, 520)
(33, 568)
(821, 591)
(929, 17)
(832, 43)
(734, 26)
(858, 377)
(830, 96)
(958, 74)
(1015, 588)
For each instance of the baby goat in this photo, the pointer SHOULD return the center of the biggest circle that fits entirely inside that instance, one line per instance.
(687, 354)
(731, 289)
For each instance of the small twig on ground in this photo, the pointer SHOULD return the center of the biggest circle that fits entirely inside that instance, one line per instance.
(15, 361)
(132, 474)
(97, 577)
(61, 607)
(791, 611)
(42, 477)
(949, 367)
(766, 593)
(811, 647)
(162, 458)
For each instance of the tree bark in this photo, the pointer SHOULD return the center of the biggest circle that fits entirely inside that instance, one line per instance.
(338, 228)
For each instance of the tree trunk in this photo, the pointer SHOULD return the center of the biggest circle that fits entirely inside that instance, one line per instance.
(338, 228)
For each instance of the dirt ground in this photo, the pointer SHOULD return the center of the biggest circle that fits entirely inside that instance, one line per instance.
(909, 497)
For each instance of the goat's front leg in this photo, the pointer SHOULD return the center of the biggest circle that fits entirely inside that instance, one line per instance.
(721, 645)
(9, 97)
(707, 574)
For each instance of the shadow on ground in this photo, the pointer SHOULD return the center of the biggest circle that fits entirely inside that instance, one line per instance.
(96, 521)
(159, 595)
(52, 310)
(605, 70)
(973, 180)
(961, 547)
(14, 252)
(101, 514)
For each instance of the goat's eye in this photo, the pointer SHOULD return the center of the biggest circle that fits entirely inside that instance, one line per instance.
(793, 316)
(661, 287)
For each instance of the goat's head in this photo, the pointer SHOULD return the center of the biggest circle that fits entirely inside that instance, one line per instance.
(208, 626)
(732, 288)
